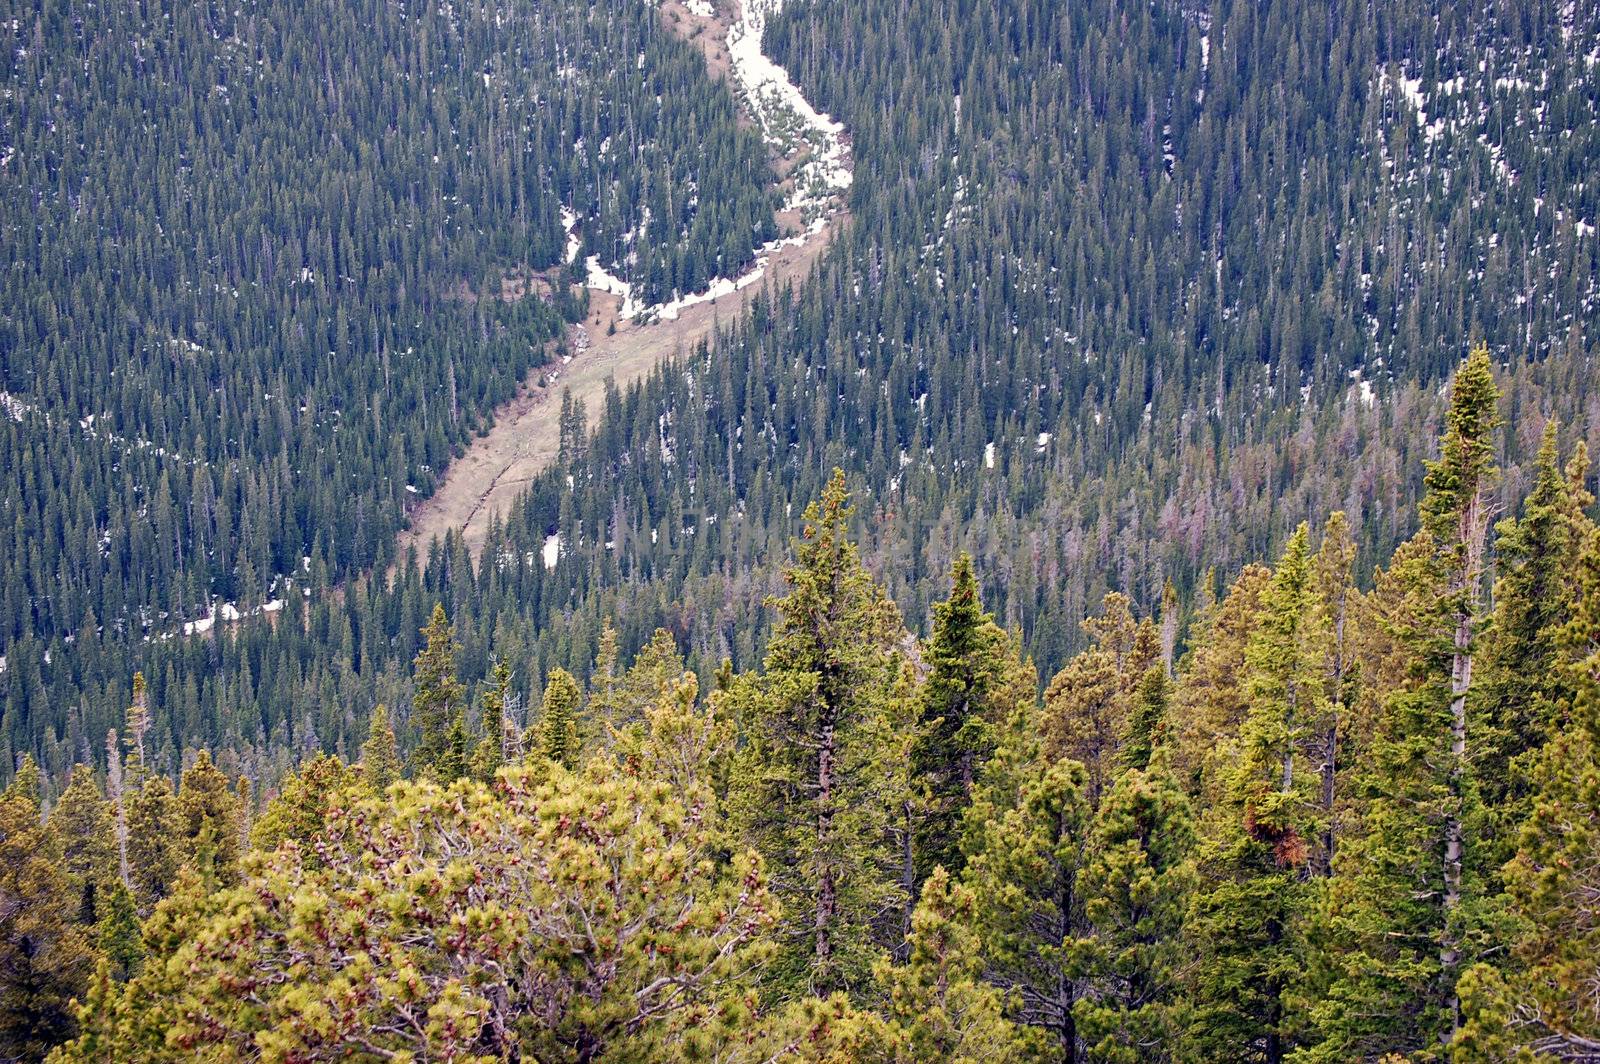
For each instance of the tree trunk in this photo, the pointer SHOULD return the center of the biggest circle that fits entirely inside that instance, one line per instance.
(827, 889)
(1471, 533)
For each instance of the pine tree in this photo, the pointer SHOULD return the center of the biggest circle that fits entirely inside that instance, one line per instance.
(1088, 702)
(1138, 879)
(306, 799)
(27, 783)
(154, 831)
(937, 1006)
(437, 696)
(380, 754)
(82, 826)
(1029, 832)
(45, 958)
(809, 781)
(117, 934)
(557, 740)
(963, 659)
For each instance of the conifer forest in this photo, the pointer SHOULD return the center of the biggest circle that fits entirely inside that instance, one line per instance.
(1068, 532)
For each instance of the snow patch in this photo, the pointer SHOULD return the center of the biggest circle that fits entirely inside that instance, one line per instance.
(552, 550)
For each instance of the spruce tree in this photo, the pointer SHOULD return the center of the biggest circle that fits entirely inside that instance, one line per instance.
(380, 754)
(809, 792)
(1251, 918)
(1148, 724)
(437, 694)
(963, 659)
(1539, 1001)
(1405, 901)
(490, 753)
(557, 740)
(1515, 702)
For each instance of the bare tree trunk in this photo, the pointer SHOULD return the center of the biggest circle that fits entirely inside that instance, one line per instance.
(827, 889)
(1330, 743)
(1471, 532)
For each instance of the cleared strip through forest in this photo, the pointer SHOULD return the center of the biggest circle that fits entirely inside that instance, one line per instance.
(524, 440)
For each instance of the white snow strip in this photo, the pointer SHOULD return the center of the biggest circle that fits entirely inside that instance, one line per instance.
(552, 550)
(778, 107)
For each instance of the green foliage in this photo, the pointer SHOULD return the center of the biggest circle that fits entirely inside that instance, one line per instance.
(207, 813)
(965, 659)
(81, 825)
(1521, 685)
(1029, 835)
(45, 958)
(577, 919)
(155, 852)
(809, 782)
(490, 752)
(1408, 902)
(1138, 879)
(438, 698)
(307, 797)
(558, 741)
(117, 934)
(936, 1005)
(380, 754)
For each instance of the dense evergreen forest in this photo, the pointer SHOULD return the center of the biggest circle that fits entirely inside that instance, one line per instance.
(1127, 293)
(1103, 614)
(1343, 825)
(269, 265)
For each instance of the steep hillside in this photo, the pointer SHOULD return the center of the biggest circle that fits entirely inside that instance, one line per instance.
(271, 265)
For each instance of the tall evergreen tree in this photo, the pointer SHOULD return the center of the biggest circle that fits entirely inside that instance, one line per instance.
(1336, 591)
(558, 740)
(437, 693)
(207, 813)
(380, 754)
(808, 782)
(490, 753)
(1515, 701)
(1540, 1001)
(82, 826)
(1250, 920)
(964, 659)
(45, 958)
(1401, 908)
(117, 933)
